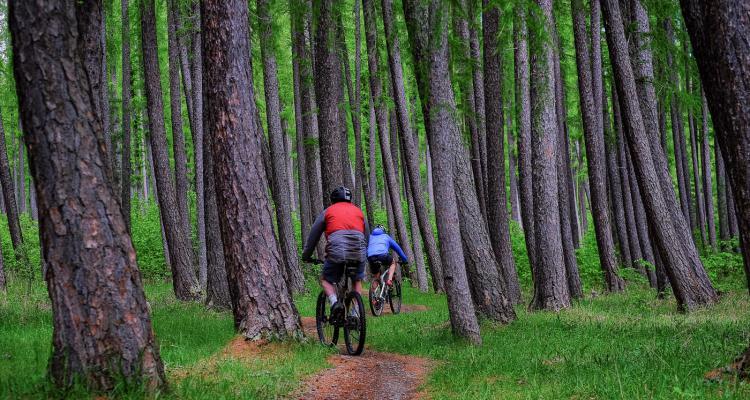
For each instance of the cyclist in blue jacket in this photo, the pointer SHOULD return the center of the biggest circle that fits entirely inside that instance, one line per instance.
(379, 250)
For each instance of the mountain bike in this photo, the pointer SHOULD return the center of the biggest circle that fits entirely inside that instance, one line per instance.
(383, 293)
(352, 320)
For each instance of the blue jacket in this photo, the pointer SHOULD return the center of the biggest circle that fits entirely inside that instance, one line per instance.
(381, 243)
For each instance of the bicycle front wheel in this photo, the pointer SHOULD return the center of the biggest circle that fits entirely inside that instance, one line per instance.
(328, 333)
(355, 327)
(394, 297)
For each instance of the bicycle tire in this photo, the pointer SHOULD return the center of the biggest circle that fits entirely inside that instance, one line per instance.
(326, 330)
(394, 297)
(355, 328)
(376, 305)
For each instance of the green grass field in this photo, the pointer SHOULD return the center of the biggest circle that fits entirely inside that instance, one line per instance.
(609, 347)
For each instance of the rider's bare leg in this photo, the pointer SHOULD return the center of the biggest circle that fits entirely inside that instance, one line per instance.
(358, 287)
(391, 271)
(327, 287)
(375, 280)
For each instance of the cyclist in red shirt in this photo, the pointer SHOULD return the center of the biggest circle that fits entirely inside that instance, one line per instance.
(346, 241)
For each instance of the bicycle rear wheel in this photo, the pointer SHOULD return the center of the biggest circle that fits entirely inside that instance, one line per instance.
(355, 327)
(328, 334)
(394, 297)
(376, 303)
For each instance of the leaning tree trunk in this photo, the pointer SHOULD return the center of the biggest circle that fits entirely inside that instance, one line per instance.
(410, 147)
(389, 160)
(175, 230)
(550, 283)
(707, 184)
(688, 278)
(280, 186)
(588, 71)
(261, 302)
(327, 80)
(102, 333)
(178, 137)
(497, 209)
(126, 137)
(722, 57)
(523, 115)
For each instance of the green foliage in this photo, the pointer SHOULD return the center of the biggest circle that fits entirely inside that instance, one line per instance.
(147, 240)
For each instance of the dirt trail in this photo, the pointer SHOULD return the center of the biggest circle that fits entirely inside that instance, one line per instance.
(373, 375)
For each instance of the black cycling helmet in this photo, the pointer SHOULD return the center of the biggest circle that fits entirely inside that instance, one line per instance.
(341, 193)
(381, 227)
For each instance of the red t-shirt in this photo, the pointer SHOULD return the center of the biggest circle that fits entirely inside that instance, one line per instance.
(344, 216)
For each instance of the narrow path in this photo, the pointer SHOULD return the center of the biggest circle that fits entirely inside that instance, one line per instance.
(373, 375)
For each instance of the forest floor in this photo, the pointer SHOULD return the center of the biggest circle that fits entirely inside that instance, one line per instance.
(618, 346)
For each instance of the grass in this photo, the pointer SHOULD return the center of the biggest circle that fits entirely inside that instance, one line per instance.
(621, 346)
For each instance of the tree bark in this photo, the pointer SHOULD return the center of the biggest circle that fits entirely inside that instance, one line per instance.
(178, 137)
(590, 94)
(305, 214)
(497, 209)
(102, 331)
(280, 186)
(9, 197)
(721, 194)
(126, 135)
(550, 283)
(178, 242)
(566, 199)
(722, 57)
(689, 280)
(523, 115)
(697, 201)
(199, 139)
(707, 184)
(217, 285)
(410, 147)
(261, 301)
(327, 80)
(515, 210)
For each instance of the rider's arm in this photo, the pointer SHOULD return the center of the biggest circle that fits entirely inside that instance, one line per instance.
(312, 239)
(392, 243)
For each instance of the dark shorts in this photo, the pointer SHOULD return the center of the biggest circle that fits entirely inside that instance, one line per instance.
(384, 259)
(332, 272)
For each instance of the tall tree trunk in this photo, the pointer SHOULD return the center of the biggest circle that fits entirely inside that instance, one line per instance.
(21, 170)
(300, 14)
(327, 80)
(589, 69)
(444, 132)
(217, 285)
(178, 242)
(199, 139)
(464, 65)
(707, 184)
(126, 136)
(478, 81)
(615, 187)
(550, 283)
(415, 235)
(305, 214)
(251, 252)
(566, 199)
(388, 159)
(698, 199)
(641, 226)
(523, 115)
(722, 63)
(102, 334)
(497, 209)
(280, 185)
(410, 147)
(9, 197)
(178, 137)
(689, 280)
(721, 194)
(515, 210)
(627, 184)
